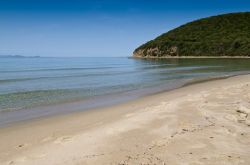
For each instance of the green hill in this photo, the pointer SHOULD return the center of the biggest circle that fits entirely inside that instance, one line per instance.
(223, 35)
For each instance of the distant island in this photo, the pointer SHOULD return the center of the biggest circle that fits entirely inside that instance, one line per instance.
(220, 36)
(17, 56)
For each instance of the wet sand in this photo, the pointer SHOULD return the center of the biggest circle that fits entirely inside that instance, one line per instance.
(205, 123)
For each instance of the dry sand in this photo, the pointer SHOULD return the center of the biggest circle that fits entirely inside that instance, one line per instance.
(206, 123)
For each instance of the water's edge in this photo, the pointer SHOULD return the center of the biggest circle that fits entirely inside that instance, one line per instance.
(99, 102)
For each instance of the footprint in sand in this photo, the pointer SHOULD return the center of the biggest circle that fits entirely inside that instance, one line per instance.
(63, 139)
(243, 106)
(228, 131)
(46, 139)
(161, 143)
(243, 116)
(199, 146)
(38, 156)
(129, 115)
(231, 118)
(242, 113)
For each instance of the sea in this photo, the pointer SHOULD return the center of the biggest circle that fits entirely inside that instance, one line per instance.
(37, 87)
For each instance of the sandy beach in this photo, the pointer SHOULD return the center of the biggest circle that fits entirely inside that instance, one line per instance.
(205, 123)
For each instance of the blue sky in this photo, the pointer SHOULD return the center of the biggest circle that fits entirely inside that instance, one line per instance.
(96, 27)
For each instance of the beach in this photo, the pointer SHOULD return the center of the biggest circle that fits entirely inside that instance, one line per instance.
(204, 123)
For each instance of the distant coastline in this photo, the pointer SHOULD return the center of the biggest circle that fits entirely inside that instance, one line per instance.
(18, 56)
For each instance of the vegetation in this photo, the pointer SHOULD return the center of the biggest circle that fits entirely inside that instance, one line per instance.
(223, 35)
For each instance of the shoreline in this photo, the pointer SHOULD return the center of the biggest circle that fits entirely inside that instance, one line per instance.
(84, 137)
(187, 57)
(51, 110)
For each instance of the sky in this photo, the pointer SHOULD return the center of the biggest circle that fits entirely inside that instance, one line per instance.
(96, 28)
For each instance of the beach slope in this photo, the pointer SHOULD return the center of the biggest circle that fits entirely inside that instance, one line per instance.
(205, 123)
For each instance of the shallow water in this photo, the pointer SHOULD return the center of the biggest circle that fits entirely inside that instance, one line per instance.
(27, 83)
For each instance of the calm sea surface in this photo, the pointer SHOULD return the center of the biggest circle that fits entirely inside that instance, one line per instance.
(31, 83)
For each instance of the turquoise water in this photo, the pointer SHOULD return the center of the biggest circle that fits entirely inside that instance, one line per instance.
(32, 82)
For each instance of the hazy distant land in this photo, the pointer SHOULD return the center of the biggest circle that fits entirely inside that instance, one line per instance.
(17, 56)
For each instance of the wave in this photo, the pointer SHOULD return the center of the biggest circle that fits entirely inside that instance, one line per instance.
(79, 68)
(54, 69)
(158, 70)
